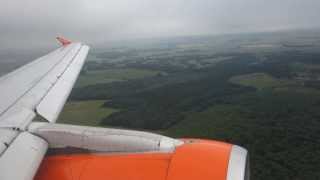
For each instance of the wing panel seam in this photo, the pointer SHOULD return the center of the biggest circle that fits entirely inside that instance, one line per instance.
(27, 91)
(65, 69)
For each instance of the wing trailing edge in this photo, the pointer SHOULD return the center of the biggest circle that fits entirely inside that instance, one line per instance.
(52, 104)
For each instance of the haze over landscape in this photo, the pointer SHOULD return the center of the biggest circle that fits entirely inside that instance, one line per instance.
(34, 23)
(245, 72)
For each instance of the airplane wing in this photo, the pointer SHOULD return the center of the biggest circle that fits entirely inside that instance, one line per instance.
(39, 88)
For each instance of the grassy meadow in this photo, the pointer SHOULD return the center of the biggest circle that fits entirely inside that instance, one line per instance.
(88, 113)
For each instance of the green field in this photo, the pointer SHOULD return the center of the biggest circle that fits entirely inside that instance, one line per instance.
(259, 81)
(112, 75)
(88, 113)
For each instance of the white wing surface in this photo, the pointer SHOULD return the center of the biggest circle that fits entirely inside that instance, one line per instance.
(40, 87)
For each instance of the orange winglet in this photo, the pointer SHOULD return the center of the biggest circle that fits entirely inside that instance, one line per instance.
(64, 41)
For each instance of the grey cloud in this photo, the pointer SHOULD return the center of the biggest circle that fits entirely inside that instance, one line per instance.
(34, 23)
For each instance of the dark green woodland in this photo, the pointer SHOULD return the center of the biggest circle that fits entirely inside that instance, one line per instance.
(260, 91)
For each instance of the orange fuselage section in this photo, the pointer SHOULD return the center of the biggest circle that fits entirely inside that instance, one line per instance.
(195, 159)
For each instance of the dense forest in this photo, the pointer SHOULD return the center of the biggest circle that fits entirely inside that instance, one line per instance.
(265, 101)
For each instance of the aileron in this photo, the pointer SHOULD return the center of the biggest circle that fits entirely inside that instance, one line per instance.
(51, 106)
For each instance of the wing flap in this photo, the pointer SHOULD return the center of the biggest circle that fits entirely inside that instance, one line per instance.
(19, 119)
(52, 104)
(23, 157)
(6, 137)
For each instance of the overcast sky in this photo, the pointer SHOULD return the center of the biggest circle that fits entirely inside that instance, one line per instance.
(34, 23)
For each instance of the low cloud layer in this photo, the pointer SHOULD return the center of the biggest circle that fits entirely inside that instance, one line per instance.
(34, 23)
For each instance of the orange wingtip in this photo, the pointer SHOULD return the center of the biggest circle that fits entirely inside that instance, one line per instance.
(64, 41)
